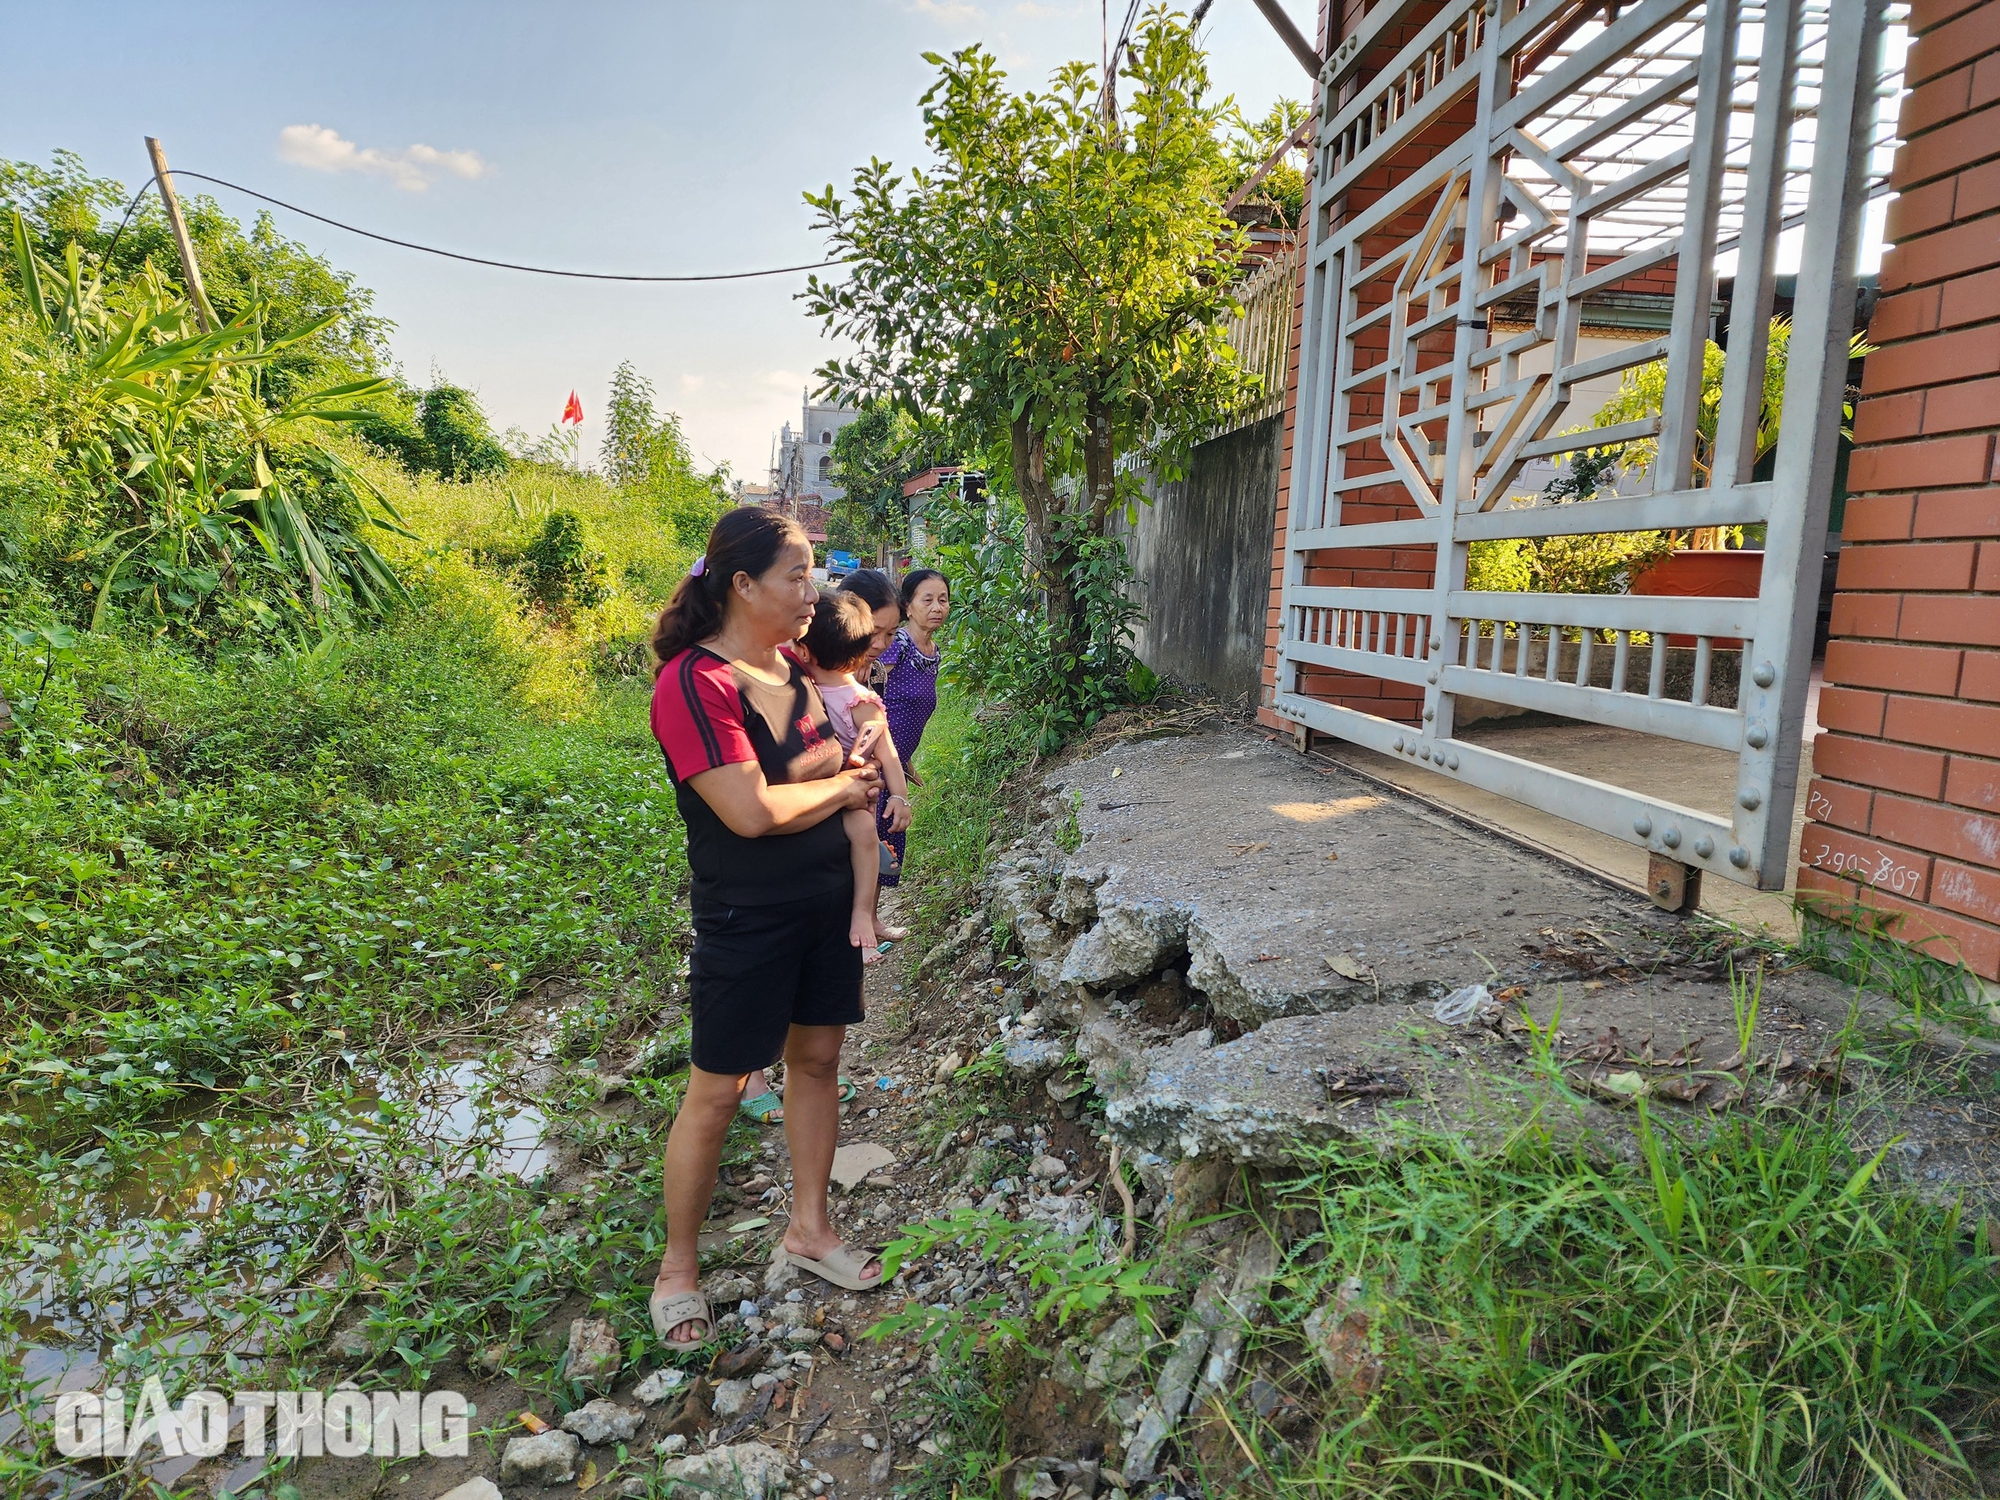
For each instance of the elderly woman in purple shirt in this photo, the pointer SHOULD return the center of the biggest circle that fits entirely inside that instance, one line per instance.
(907, 678)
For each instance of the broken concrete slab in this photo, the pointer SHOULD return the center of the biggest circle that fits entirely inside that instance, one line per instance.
(853, 1164)
(1131, 940)
(1304, 923)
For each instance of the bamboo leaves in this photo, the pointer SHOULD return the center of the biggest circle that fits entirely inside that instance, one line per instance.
(228, 497)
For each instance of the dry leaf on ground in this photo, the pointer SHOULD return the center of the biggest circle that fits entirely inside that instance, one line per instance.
(1347, 966)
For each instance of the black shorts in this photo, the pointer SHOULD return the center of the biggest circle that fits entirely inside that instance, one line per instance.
(758, 971)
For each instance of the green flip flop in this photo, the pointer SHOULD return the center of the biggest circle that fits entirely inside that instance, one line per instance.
(767, 1104)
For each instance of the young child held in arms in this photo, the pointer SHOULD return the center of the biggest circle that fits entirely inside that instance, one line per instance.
(833, 648)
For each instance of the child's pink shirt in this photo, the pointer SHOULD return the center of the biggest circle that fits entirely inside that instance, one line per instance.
(840, 699)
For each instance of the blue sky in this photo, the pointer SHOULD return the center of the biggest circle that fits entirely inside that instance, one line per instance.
(666, 137)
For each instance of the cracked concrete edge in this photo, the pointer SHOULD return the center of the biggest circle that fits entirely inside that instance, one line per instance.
(1161, 1105)
(1177, 1101)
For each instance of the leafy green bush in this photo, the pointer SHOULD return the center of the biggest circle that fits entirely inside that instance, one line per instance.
(1006, 644)
(562, 568)
(460, 444)
(191, 501)
(1499, 566)
(1591, 564)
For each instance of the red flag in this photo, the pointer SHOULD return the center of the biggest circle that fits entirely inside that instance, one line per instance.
(574, 411)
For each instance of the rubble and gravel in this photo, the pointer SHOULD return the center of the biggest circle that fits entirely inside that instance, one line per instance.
(543, 1459)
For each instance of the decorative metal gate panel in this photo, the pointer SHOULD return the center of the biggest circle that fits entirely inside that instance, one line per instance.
(1516, 158)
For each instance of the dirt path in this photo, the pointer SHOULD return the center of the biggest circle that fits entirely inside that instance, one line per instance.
(850, 1415)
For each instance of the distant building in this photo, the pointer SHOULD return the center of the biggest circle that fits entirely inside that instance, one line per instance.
(804, 464)
(802, 468)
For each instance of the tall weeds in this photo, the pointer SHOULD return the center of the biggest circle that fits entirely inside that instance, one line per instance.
(1746, 1314)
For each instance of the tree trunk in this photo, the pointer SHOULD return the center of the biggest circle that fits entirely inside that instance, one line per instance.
(1041, 506)
(1100, 466)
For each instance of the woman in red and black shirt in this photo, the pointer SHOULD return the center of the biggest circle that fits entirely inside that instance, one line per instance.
(760, 781)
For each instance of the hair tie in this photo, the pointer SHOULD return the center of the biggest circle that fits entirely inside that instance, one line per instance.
(700, 566)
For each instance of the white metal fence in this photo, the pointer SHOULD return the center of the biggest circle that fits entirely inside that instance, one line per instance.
(1606, 144)
(1261, 334)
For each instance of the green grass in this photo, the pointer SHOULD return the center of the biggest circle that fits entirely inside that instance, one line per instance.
(256, 901)
(222, 872)
(1741, 1314)
(1745, 1313)
(1929, 985)
(967, 808)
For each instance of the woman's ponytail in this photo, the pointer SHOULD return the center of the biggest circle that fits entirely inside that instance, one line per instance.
(747, 539)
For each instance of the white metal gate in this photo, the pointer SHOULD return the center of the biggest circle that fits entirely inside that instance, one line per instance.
(1585, 143)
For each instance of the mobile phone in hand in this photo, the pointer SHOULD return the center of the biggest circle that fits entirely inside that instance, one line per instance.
(864, 744)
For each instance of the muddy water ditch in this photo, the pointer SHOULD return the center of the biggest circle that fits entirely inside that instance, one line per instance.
(207, 1239)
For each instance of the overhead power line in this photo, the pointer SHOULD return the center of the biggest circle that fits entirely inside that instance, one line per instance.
(480, 260)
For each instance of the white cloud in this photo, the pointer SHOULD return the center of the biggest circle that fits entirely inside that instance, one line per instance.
(784, 380)
(692, 383)
(946, 10)
(323, 149)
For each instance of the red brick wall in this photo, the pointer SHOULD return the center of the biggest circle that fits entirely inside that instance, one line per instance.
(1905, 803)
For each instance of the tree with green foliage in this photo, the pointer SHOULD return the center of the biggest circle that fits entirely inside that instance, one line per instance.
(1053, 285)
(647, 452)
(633, 436)
(872, 456)
(440, 431)
(63, 204)
(460, 442)
(1283, 189)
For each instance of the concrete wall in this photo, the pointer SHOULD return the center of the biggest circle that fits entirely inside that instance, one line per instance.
(1202, 555)
(1905, 809)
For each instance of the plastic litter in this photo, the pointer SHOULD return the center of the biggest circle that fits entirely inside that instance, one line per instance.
(1467, 1004)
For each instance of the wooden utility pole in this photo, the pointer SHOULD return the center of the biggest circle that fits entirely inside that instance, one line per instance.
(204, 315)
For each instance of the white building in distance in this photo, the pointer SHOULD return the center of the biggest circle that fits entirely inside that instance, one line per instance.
(804, 462)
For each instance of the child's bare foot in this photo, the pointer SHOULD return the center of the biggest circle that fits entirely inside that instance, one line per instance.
(861, 934)
(890, 934)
